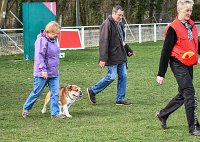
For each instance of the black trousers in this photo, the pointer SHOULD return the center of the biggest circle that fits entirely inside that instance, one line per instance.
(186, 94)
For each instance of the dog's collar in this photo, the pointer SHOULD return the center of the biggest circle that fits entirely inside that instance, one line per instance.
(70, 96)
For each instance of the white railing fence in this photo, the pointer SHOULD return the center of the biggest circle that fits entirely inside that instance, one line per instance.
(11, 42)
(89, 36)
(141, 33)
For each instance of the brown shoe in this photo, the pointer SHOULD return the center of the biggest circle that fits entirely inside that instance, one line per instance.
(123, 103)
(91, 96)
(58, 116)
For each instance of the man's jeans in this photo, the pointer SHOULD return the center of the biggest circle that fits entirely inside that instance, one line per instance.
(113, 70)
(39, 84)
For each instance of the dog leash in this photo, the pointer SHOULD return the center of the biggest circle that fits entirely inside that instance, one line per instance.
(195, 114)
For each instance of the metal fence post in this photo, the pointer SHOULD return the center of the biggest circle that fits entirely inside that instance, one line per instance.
(140, 33)
(82, 36)
(154, 32)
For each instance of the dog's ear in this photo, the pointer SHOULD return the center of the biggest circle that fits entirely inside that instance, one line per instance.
(63, 89)
(69, 87)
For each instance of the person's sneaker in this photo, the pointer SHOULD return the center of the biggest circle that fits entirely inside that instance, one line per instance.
(163, 122)
(91, 96)
(195, 133)
(25, 113)
(123, 103)
(62, 116)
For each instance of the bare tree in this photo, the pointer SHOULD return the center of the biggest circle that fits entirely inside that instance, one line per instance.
(3, 7)
(94, 12)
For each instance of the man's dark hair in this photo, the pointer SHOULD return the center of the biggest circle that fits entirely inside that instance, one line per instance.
(116, 8)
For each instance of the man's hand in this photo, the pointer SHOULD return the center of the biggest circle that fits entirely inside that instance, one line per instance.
(44, 75)
(160, 80)
(131, 54)
(129, 51)
(102, 64)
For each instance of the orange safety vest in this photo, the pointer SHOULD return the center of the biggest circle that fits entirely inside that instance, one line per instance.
(185, 50)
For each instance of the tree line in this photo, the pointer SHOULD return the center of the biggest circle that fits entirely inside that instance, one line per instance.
(94, 12)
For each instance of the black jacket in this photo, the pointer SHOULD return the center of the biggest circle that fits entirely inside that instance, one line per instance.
(111, 48)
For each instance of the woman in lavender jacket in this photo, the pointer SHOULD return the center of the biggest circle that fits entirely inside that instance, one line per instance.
(46, 63)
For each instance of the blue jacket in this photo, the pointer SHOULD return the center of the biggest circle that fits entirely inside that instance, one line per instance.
(46, 57)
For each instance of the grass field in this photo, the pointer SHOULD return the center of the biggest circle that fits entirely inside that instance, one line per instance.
(104, 122)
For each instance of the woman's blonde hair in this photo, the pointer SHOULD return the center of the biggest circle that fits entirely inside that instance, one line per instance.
(182, 2)
(52, 27)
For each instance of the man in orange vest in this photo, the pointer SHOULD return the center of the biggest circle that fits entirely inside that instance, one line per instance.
(181, 48)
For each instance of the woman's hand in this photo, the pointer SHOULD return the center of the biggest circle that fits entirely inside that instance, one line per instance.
(160, 80)
(44, 75)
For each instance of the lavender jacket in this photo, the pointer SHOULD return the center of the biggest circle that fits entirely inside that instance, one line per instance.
(46, 56)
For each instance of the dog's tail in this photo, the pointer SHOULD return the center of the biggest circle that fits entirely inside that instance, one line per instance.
(46, 101)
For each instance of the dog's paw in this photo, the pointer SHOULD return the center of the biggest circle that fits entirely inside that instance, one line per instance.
(43, 110)
(68, 115)
(61, 113)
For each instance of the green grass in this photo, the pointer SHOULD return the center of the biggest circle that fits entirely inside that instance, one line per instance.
(104, 122)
